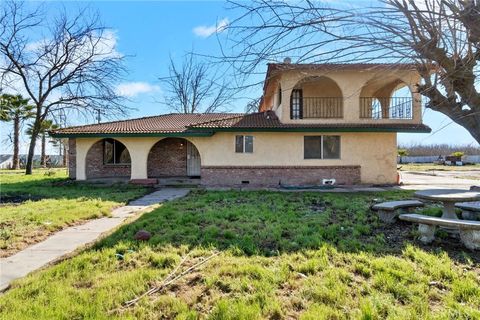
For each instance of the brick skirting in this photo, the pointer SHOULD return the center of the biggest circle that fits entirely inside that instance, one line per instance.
(273, 176)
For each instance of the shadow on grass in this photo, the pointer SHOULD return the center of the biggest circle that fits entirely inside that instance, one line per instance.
(271, 223)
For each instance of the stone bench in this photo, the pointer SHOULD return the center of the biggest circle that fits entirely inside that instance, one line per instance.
(469, 230)
(470, 210)
(387, 210)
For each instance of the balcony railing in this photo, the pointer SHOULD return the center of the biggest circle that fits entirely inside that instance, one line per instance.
(386, 108)
(321, 108)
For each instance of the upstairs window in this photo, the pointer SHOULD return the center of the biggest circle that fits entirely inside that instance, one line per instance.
(115, 152)
(244, 144)
(321, 147)
(296, 104)
(279, 95)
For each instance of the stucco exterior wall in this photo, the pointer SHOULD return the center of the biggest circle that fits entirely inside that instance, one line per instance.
(375, 153)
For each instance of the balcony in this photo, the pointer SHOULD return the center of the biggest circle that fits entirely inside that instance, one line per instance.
(399, 108)
(317, 108)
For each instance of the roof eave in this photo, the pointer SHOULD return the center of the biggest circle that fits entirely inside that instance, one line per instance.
(332, 129)
(208, 133)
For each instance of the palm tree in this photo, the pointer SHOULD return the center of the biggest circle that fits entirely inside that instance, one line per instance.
(45, 127)
(15, 108)
(402, 153)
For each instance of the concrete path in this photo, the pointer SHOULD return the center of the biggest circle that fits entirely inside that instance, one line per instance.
(439, 180)
(68, 240)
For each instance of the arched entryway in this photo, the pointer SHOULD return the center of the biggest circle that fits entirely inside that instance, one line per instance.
(173, 157)
(108, 158)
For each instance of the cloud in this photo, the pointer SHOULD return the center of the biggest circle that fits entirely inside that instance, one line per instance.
(206, 31)
(133, 89)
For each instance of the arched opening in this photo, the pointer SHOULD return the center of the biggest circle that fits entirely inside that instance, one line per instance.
(173, 157)
(108, 158)
(316, 98)
(380, 99)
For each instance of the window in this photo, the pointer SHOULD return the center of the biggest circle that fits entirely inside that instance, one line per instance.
(321, 147)
(296, 104)
(279, 95)
(114, 152)
(244, 144)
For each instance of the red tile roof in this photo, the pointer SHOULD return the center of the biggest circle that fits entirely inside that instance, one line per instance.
(269, 120)
(168, 123)
(194, 123)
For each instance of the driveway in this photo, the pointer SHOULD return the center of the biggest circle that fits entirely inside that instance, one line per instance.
(419, 180)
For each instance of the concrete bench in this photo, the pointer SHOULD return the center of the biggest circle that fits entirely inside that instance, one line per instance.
(387, 210)
(469, 230)
(470, 210)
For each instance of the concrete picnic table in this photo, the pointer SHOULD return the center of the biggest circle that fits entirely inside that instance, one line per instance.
(448, 197)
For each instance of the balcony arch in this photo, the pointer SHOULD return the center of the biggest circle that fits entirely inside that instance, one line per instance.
(386, 100)
(316, 97)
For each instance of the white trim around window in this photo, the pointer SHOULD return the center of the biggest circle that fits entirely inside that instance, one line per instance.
(244, 144)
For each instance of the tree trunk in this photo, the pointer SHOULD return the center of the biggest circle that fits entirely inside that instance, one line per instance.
(43, 156)
(31, 152)
(16, 133)
(33, 141)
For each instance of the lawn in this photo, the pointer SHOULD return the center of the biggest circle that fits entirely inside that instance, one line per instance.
(34, 206)
(436, 167)
(280, 256)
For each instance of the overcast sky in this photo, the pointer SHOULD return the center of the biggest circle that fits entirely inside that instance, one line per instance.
(152, 31)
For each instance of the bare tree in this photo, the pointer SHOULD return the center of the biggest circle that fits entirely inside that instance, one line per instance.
(441, 38)
(73, 67)
(193, 87)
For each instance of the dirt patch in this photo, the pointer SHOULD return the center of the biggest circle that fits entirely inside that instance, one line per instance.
(6, 200)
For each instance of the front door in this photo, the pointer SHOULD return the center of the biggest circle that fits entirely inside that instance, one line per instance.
(193, 161)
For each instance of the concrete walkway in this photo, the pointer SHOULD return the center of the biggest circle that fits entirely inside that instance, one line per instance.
(413, 180)
(68, 240)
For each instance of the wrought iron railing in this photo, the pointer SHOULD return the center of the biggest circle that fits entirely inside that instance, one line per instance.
(386, 108)
(322, 107)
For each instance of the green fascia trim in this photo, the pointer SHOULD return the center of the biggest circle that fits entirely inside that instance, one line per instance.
(139, 135)
(405, 130)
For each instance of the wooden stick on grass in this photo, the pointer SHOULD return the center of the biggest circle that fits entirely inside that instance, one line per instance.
(168, 280)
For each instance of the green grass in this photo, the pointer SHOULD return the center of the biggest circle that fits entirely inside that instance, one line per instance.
(282, 256)
(436, 167)
(55, 203)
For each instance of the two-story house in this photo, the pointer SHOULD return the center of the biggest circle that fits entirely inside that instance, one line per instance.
(316, 122)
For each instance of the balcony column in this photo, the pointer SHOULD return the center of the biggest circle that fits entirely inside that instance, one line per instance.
(416, 106)
(287, 84)
(82, 146)
(351, 102)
